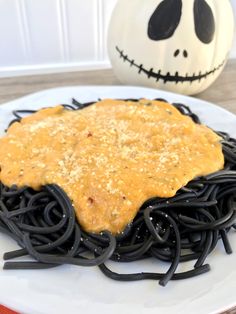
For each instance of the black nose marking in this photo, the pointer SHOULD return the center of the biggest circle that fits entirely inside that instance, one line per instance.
(165, 19)
(176, 53)
(185, 53)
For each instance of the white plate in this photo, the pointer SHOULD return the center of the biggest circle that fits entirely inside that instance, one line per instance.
(71, 289)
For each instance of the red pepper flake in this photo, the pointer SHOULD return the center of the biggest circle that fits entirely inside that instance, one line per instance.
(124, 198)
(91, 200)
(89, 134)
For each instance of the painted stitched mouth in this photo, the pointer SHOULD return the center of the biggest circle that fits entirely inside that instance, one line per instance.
(167, 77)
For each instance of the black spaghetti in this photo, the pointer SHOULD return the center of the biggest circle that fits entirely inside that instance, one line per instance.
(185, 227)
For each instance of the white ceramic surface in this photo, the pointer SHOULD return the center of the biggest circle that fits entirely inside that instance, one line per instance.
(71, 289)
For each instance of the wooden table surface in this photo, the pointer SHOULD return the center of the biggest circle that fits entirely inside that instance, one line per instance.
(222, 92)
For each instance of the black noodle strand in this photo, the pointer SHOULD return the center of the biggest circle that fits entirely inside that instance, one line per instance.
(183, 228)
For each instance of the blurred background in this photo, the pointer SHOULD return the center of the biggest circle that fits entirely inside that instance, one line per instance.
(46, 36)
(49, 36)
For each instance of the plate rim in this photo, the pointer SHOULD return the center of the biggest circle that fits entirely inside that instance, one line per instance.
(117, 87)
(38, 93)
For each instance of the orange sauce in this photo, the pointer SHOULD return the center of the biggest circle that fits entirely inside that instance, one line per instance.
(109, 157)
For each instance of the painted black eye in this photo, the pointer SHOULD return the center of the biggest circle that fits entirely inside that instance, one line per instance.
(204, 21)
(165, 19)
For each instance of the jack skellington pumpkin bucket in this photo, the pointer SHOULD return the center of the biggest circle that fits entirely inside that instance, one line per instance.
(176, 45)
